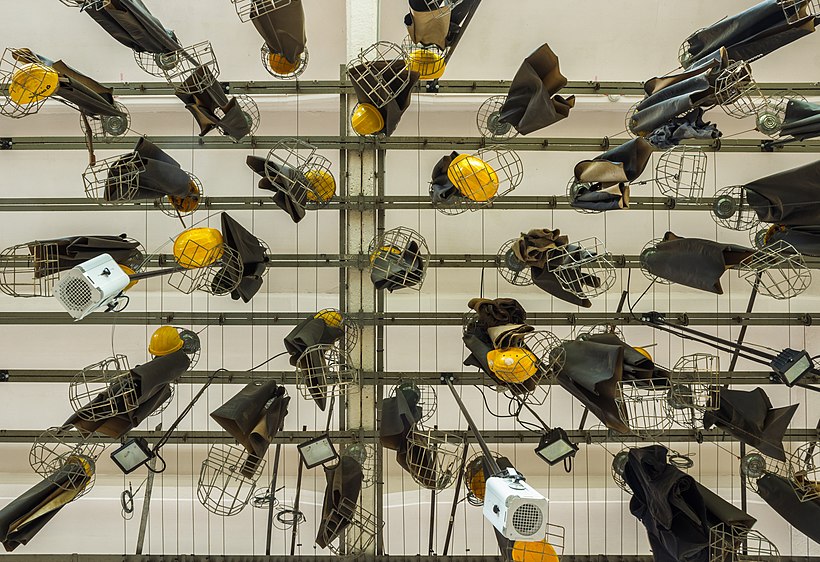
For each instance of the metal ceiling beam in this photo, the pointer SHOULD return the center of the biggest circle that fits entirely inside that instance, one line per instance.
(392, 202)
(257, 318)
(363, 558)
(445, 144)
(509, 436)
(366, 378)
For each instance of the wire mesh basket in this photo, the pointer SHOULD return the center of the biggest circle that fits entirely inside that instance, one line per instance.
(488, 120)
(365, 454)
(106, 127)
(482, 178)
(354, 528)
(250, 111)
(731, 209)
(114, 180)
(427, 60)
(681, 173)
(58, 446)
(29, 270)
(380, 71)
(573, 187)
(338, 319)
(799, 10)
(27, 83)
(778, 270)
(103, 390)
(279, 67)
(730, 543)
(324, 370)
(629, 122)
(86, 5)
(251, 9)
(804, 471)
(548, 549)
(296, 168)
(649, 247)
(400, 258)
(446, 5)
(586, 332)
(433, 460)
(157, 64)
(737, 92)
(617, 470)
(427, 397)
(526, 361)
(644, 406)
(694, 389)
(583, 268)
(772, 113)
(475, 480)
(227, 479)
(195, 68)
(184, 206)
(216, 270)
(191, 345)
(513, 270)
(755, 465)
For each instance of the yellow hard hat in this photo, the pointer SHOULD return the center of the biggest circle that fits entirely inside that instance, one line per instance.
(280, 65)
(32, 83)
(384, 252)
(164, 341)
(513, 364)
(429, 63)
(643, 352)
(367, 119)
(189, 203)
(537, 551)
(473, 177)
(198, 247)
(331, 317)
(476, 482)
(322, 185)
(128, 271)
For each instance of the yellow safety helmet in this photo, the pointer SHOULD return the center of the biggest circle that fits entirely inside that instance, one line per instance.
(643, 352)
(429, 63)
(536, 551)
(280, 65)
(331, 317)
(198, 247)
(367, 119)
(322, 185)
(128, 271)
(476, 482)
(384, 252)
(513, 364)
(473, 177)
(164, 341)
(32, 83)
(190, 202)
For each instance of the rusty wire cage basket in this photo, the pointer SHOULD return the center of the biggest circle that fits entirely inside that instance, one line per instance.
(215, 270)
(114, 180)
(183, 206)
(804, 471)
(279, 67)
(427, 60)
(325, 370)
(681, 173)
(731, 209)
(433, 459)
(58, 446)
(194, 68)
(548, 549)
(778, 271)
(27, 83)
(737, 92)
(353, 529)
(296, 168)
(512, 269)
(227, 479)
(488, 120)
(482, 178)
(800, 10)
(584, 268)
(106, 127)
(248, 10)
(103, 390)
(644, 406)
(30, 270)
(771, 114)
(730, 543)
(380, 71)
(337, 319)
(694, 389)
(365, 455)
(573, 188)
(399, 259)
(427, 397)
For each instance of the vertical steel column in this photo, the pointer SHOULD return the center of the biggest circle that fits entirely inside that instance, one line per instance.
(362, 17)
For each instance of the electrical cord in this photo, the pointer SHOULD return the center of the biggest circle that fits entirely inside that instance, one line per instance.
(127, 500)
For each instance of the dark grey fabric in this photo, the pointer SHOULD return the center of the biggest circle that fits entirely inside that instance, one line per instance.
(622, 164)
(61, 254)
(133, 25)
(392, 111)
(310, 332)
(442, 189)
(231, 119)
(791, 198)
(285, 199)
(282, 29)
(779, 494)
(254, 260)
(804, 239)
(344, 484)
(162, 175)
(689, 126)
(802, 120)
(392, 274)
(399, 414)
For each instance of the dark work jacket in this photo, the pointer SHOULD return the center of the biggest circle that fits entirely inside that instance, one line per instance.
(791, 198)
(594, 197)
(61, 487)
(749, 35)
(693, 262)
(622, 164)
(688, 126)
(308, 333)
(399, 414)
(393, 110)
(153, 382)
(780, 495)
(253, 417)
(532, 103)
(344, 484)
(749, 416)
(676, 511)
(802, 120)
(133, 25)
(162, 175)
(254, 259)
(804, 239)
(283, 29)
(294, 206)
(72, 251)
(203, 106)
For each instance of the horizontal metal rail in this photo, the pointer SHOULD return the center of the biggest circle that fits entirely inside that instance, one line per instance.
(363, 558)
